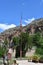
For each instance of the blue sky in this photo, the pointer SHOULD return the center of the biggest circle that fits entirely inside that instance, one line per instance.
(11, 10)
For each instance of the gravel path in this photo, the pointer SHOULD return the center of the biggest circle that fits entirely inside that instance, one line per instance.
(25, 62)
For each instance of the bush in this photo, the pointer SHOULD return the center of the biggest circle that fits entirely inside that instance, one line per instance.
(39, 51)
(2, 51)
(35, 58)
(41, 59)
(30, 59)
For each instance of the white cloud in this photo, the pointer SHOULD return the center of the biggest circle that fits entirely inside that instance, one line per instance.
(6, 26)
(23, 24)
(29, 20)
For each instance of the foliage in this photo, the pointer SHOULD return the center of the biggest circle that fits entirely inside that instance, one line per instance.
(41, 59)
(5, 45)
(16, 41)
(36, 39)
(39, 51)
(26, 41)
(30, 41)
(5, 41)
(35, 58)
(41, 42)
(2, 51)
(23, 42)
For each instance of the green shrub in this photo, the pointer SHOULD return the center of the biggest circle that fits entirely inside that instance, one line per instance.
(2, 51)
(39, 51)
(35, 58)
(41, 59)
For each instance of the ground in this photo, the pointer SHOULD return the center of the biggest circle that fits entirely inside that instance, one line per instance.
(25, 62)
